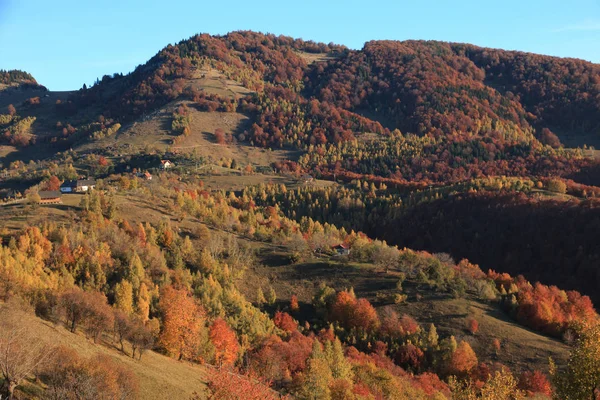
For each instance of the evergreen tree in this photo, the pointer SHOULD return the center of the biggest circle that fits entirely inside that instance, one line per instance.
(143, 303)
(318, 376)
(260, 297)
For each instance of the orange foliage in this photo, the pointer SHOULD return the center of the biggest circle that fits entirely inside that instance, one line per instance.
(551, 310)
(277, 359)
(183, 321)
(430, 383)
(225, 385)
(353, 313)
(463, 360)
(294, 306)
(225, 342)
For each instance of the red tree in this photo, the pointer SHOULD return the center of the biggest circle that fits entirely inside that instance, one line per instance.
(410, 356)
(53, 183)
(473, 326)
(225, 385)
(284, 321)
(220, 136)
(535, 382)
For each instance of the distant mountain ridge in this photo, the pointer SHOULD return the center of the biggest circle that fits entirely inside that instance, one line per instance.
(415, 86)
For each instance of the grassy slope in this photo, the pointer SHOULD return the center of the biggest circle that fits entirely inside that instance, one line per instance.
(160, 377)
(521, 348)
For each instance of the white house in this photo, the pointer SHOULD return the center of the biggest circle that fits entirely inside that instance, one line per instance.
(79, 186)
(165, 164)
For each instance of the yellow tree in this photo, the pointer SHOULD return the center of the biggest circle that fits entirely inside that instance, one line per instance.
(581, 379)
(124, 297)
(183, 324)
(143, 303)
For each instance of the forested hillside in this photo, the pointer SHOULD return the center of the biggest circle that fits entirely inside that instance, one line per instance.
(410, 220)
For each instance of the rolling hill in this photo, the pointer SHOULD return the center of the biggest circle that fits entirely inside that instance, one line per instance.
(283, 149)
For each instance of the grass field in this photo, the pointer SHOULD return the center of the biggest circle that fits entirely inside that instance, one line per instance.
(160, 377)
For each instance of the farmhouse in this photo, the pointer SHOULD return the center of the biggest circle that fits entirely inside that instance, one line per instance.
(78, 186)
(341, 249)
(50, 197)
(165, 164)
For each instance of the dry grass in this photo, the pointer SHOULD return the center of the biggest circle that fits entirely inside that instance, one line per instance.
(15, 216)
(212, 81)
(521, 348)
(6, 150)
(316, 57)
(154, 133)
(160, 377)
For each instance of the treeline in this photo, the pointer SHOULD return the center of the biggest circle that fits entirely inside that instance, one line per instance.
(550, 241)
(399, 159)
(418, 87)
(466, 128)
(16, 76)
(497, 222)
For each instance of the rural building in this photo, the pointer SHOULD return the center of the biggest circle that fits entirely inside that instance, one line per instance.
(165, 164)
(307, 178)
(50, 196)
(78, 186)
(341, 249)
(144, 175)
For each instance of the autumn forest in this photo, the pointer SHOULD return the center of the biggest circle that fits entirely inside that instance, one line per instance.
(252, 216)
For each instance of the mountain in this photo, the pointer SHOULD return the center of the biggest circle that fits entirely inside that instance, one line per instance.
(282, 151)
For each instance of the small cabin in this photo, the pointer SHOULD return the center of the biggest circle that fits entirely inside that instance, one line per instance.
(307, 178)
(144, 175)
(50, 197)
(341, 249)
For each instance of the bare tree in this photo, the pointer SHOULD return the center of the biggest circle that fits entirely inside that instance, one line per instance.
(384, 256)
(21, 351)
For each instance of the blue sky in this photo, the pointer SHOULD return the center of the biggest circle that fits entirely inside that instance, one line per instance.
(65, 43)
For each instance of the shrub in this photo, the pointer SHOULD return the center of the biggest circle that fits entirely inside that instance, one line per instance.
(557, 186)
